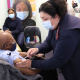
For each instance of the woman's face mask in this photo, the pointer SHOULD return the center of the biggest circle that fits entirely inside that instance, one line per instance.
(47, 25)
(11, 15)
(49, 22)
(22, 15)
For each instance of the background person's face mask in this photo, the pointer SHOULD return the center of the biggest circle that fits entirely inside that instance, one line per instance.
(22, 15)
(11, 15)
(47, 25)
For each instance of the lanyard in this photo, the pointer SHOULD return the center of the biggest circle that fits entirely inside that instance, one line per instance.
(57, 34)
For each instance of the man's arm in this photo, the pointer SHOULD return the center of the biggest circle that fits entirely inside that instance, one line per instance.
(25, 71)
(23, 54)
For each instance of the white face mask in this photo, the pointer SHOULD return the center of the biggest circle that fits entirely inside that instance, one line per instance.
(22, 15)
(47, 25)
(11, 15)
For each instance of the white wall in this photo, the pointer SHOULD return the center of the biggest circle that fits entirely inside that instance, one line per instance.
(69, 1)
(3, 12)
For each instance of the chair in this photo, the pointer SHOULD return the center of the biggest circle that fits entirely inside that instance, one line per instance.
(31, 31)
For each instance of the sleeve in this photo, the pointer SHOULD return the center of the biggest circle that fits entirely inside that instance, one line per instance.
(46, 45)
(64, 49)
(18, 28)
(14, 55)
(32, 23)
(16, 52)
(5, 26)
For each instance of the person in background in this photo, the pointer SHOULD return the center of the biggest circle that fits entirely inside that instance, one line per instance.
(8, 52)
(76, 8)
(13, 25)
(74, 4)
(63, 39)
(24, 12)
(70, 9)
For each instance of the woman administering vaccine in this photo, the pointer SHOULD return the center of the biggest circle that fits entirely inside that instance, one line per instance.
(13, 25)
(63, 39)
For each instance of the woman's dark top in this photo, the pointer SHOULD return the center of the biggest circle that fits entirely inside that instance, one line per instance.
(66, 49)
(29, 22)
(15, 26)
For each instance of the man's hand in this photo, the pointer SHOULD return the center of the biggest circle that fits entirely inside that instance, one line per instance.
(32, 52)
(24, 63)
(8, 31)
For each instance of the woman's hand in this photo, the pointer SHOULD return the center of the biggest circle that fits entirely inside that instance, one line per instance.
(32, 52)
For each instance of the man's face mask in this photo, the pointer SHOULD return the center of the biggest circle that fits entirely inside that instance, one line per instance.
(22, 15)
(13, 47)
(47, 25)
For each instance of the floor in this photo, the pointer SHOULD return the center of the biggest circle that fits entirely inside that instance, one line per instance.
(60, 75)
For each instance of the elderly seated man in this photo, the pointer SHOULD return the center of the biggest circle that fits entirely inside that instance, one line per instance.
(7, 51)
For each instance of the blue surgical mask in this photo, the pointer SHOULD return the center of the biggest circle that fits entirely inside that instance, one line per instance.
(13, 47)
(22, 15)
(47, 25)
(11, 15)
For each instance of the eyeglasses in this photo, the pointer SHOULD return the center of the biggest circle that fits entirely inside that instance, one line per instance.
(9, 43)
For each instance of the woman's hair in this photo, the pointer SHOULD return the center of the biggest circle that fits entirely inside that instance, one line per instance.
(11, 9)
(53, 7)
(28, 5)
